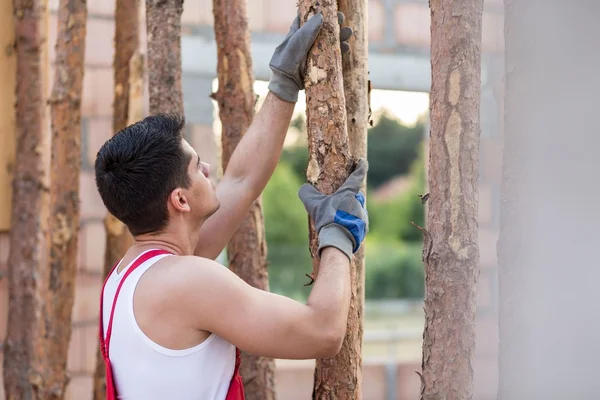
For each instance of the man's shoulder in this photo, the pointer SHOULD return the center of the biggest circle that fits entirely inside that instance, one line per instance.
(177, 272)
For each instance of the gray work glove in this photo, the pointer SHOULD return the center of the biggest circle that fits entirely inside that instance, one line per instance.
(341, 219)
(289, 59)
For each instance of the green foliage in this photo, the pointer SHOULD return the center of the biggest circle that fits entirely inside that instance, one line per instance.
(392, 149)
(391, 219)
(286, 220)
(393, 251)
(393, 271)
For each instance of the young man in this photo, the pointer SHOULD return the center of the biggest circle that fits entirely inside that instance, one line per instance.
(179, 317)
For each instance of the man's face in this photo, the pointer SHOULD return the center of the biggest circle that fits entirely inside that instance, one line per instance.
(202, 194)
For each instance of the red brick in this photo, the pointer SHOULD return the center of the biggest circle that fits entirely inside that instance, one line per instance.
(98, 92)
(487, 247)
(376, 21)
(492, 32)
(4, 247)
(99, 131)
(90, 347)
(256, 15)
(206, 11)
(3, 307)
(91, 203)
(101, 7)
(492, 159)
(2, 395)
(280, 16)
(203, 140)
(191, 13)
(75, 350)
(99, 49)
(81, 247)
(87, 298)
(485, 205)
(80, 388)
(413, 24)
(95, 244)
(484, 291)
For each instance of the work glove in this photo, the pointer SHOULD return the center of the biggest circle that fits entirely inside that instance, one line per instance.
(340, 219)
(289, 59)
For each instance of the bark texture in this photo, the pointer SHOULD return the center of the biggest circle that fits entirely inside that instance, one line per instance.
(127, 105)
(451, 251)
(329, 164)
(247, 249)
(26, 347)
(8, 67)
(356, 94)
(547, 250)
(65, 116)
(163, 27)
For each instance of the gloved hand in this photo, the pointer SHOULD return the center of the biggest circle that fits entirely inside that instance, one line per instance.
(341, 219)
(289, 60)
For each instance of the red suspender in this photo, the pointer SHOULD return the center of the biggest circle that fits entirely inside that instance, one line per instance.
(111, 391)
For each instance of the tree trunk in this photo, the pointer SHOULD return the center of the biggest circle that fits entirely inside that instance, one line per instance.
(247, 249)
(163, 27)
(329, 165)
(547, 250)
(127, 105)
(8, 66)
(26, 351)
(451, 251)
(356, 93)
(65, 115)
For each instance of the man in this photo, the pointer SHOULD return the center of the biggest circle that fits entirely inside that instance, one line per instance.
(179, 317)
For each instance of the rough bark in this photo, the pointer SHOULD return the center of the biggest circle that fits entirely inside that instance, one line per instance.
(8, 66)
(356, 93)
(247, 249)
(65, 116)
(163, 27)
(329, 164)
(451, 251)
(26, 352)
(127, 105)
(547, 250)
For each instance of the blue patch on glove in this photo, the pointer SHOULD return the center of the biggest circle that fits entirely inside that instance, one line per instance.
(355, 225)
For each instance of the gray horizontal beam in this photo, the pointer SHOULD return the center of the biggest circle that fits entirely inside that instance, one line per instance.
(399, 71)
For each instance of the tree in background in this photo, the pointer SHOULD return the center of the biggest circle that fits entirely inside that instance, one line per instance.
(26, 347)
(127, 109)
(65, 115)
(247, 248)
(451, 252)
(163, 27)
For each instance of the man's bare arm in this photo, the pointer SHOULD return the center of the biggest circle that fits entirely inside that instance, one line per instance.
(254, 159)
(264, 323)
(250, 168)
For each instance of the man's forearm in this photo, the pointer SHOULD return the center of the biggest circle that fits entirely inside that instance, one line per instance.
(330, 296)
(256, 156)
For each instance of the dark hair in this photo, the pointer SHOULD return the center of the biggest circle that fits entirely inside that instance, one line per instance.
(139, 167)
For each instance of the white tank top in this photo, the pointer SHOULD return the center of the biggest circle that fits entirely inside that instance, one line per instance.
(144, 370)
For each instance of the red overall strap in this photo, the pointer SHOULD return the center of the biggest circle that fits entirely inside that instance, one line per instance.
(111, 391)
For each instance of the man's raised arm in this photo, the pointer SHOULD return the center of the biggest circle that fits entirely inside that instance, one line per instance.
(256, 155)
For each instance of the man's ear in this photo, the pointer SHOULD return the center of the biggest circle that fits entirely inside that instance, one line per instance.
(179, 201)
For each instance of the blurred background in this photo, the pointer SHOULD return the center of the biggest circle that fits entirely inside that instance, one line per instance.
(399, 68)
